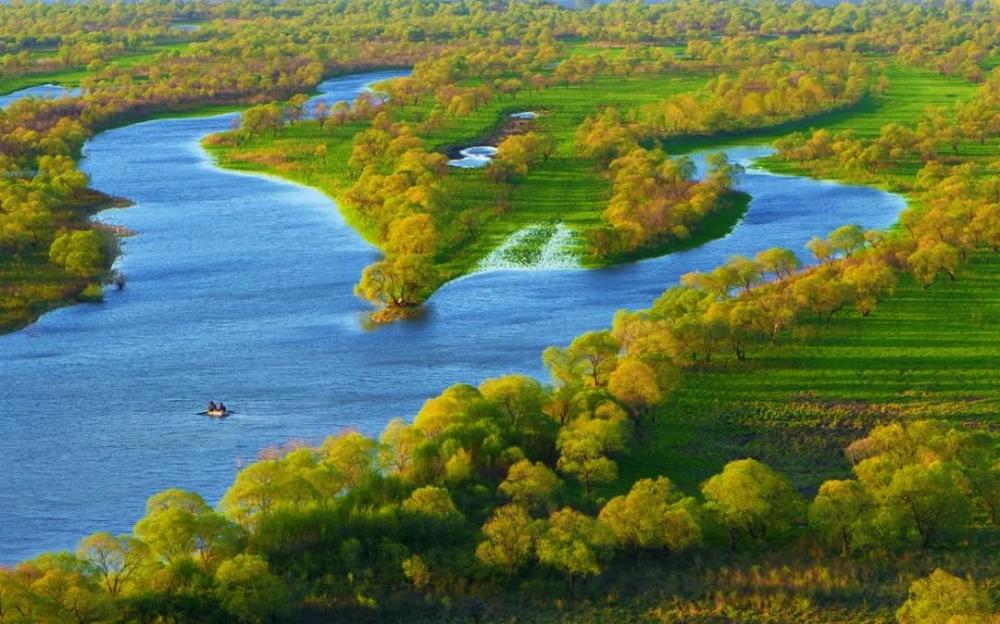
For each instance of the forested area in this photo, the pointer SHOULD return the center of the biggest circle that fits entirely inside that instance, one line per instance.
(517, 499)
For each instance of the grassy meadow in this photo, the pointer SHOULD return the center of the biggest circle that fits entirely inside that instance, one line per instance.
(73, 76)
(563, 189)
(566, 188)
(922, 354)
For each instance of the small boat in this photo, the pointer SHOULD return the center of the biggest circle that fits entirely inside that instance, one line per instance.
(218, 413)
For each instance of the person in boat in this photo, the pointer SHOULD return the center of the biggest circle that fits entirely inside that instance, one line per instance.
(211, 406)
(222, 407)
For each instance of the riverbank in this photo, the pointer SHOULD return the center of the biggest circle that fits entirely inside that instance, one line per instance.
(31, 285)
(480, 215)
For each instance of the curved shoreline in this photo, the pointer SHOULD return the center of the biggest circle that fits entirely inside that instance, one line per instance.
(284, 347)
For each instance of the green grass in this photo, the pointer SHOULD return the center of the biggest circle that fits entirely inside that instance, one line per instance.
(73, 76)
(912, 90)
(922, 353)
(564, 189)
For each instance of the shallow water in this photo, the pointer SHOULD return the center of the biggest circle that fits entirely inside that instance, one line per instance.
(240, 290)
(474, 157)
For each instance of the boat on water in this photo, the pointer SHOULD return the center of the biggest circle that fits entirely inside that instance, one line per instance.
(216, 411)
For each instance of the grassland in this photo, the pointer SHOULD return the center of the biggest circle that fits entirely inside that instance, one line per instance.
(796, 405)
(566, 188)
(563, 189)
(73, 76)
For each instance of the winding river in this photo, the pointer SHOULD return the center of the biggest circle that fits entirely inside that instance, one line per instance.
(240, 289)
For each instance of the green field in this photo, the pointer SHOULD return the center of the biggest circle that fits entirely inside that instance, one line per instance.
(73, 76)
(922, 354)
(564, 189)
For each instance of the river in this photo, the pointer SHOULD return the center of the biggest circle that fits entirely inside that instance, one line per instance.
(240, 290)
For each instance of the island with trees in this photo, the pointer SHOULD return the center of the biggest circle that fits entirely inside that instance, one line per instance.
(794, 435)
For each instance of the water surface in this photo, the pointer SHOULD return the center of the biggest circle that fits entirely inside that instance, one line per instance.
(240, 290)
(46, 92)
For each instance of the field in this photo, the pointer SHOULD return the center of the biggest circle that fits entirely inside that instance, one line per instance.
(923, 354)
(565, 188)
(73, 76)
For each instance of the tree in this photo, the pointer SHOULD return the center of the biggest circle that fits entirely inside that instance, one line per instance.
(179, 524)
(80, 252)
(653, 515)
(847, 239)
(116, 559)
(296, 107)
(574, 543)
(932, 258)
(597, 354)
(821, 249)
(943, 598)
(531, 485)
(929, 500)
(415, 234)
(510, 537)
(870, 279)
(432, 502)
(396, 282)
(521, 398)
(248, 590)
(583, 457)
(752, 499)
(634, 383)
(842, 513)
(352, 455)
(778, 261)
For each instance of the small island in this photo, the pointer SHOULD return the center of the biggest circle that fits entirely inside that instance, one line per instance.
(440, 170)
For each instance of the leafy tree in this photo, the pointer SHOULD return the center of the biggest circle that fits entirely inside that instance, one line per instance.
(510, 537)
(930, 501)
(842, 514)
(778, 261)
(634, 383)
(942, 598)
(583, 456)
(653, 515)
(179, 524)
(752, 499)
(249, 591)
(531, 485)
(115, 559)
(574, 543)
(80, 252)
(352, 456)
(432, 502)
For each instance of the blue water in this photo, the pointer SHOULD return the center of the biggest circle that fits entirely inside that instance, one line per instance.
(46, 91)
(240, 289)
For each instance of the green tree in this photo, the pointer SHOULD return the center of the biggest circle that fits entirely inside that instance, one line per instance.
(751, 499)
(531, 485)
(942, 598)
(930, 500)
(510, 536)
(842, 514)
(634, 383)
(117, 559)
(248, 590)
(653, 515)
(575, 544)
(80, 252)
